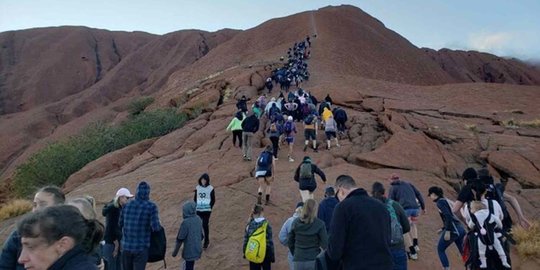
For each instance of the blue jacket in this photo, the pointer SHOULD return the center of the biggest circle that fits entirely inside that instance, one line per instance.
(406, 194)
(10, 253)
(138, 219)
(190, 234)
(450, 221)
(326, 209)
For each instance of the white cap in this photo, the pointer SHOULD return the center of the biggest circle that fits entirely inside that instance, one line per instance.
(124, 192)
(289, 118)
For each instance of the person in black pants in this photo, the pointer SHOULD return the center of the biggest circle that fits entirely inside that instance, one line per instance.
(205, 199)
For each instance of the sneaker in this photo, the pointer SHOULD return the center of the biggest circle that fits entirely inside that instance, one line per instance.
(291, 159)
(275, 158)
(413, 256)
(338, 145)
(417, 248)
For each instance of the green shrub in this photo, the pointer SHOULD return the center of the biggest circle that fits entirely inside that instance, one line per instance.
(57, 161)
(138, 105)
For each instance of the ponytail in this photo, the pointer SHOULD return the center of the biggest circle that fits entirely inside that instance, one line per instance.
(94, 235)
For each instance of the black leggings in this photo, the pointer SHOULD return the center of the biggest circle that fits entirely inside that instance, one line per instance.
(205, 216)
(275, 145)
(237, 133)
(265, 265)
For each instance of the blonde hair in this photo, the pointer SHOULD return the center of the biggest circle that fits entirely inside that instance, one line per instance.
(309, 211)
(84, 204)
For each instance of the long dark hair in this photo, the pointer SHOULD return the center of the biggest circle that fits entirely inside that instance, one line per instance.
(377, 191)
(55, 222)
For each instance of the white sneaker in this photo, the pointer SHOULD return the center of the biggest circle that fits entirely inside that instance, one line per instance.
(291, 159)
(414, 256)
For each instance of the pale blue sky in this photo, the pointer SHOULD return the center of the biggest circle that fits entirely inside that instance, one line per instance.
(502, 27)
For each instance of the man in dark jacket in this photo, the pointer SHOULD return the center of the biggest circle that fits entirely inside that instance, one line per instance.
(341, 117)
(113, 233)
(305, 176)
(407, 195)
(138, 219)
(250, 125)
(360, 229)
(326, 207)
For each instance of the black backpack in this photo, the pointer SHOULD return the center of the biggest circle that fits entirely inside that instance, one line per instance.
(495, 192)
(158, 246)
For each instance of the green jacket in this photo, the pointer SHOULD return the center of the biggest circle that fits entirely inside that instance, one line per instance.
(235, 124)
(306, 240)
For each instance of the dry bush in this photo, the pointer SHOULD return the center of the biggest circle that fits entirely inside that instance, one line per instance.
(15, 208)
(528, 241)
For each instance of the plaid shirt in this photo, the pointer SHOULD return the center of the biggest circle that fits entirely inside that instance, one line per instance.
(138, 219)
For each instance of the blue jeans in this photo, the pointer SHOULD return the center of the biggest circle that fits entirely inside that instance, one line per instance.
(111, 263)
(443, 245)
(134, 260)
(399, 257)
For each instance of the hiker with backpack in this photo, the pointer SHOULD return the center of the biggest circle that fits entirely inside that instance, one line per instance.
(452, 230)
(341, 118)
(258, 247)
(113, 234)
(138, 219)
(236, 127)
(399, 225)
(289, 131)
(310, 132)
(264, 173)
(205, 199)
(484, 217)
(250, 126)
(305, 176)
(242, 104)
(286, 228)
(307, 237)
(330, 129)
(274, 134)
(190, 236)
(408, 196)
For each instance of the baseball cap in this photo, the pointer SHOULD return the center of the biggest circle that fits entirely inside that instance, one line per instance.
(124, 192)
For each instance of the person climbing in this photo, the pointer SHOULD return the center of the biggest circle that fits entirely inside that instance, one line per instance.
(205, 198)
(408, 196)
(341, 118)
(399, 226)
(289, 131)
(328, 99)
(307, 237)
(258, 224)
(284, 232)
(274, 134)
(250, 126)
(190, 236)
(236, 127)
(326, 207)
(269, 85)
(111, 211)
(326, 114)
(264, 173)
(310, 132)
(257, 109)
(305, 176)
(330, 128)
(242, 104)
(452, 230)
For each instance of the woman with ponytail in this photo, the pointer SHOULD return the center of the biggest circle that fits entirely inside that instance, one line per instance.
(59, 237)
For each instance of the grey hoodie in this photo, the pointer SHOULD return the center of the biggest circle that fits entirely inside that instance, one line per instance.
(190, 234)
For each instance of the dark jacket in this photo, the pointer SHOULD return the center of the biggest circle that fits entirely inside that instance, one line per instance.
(450, 222)
(326, 209)
(360, 233)
(305, 240)
(340, 115)
(138, 219)
(309, 184)
(250, 124)
(112, 229)
(242, 105)
(251, 228)
(75, 259)
(10, 253)
(190, 234)
(406, 194)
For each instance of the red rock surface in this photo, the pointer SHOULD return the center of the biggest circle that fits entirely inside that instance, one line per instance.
(407, 115)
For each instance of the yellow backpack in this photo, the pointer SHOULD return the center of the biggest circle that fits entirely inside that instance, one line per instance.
(256, 245)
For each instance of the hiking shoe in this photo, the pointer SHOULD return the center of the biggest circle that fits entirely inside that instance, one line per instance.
(259, 199)
(291, 159)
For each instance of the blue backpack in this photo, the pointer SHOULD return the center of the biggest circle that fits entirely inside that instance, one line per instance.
(288, 127)
(265, 160)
